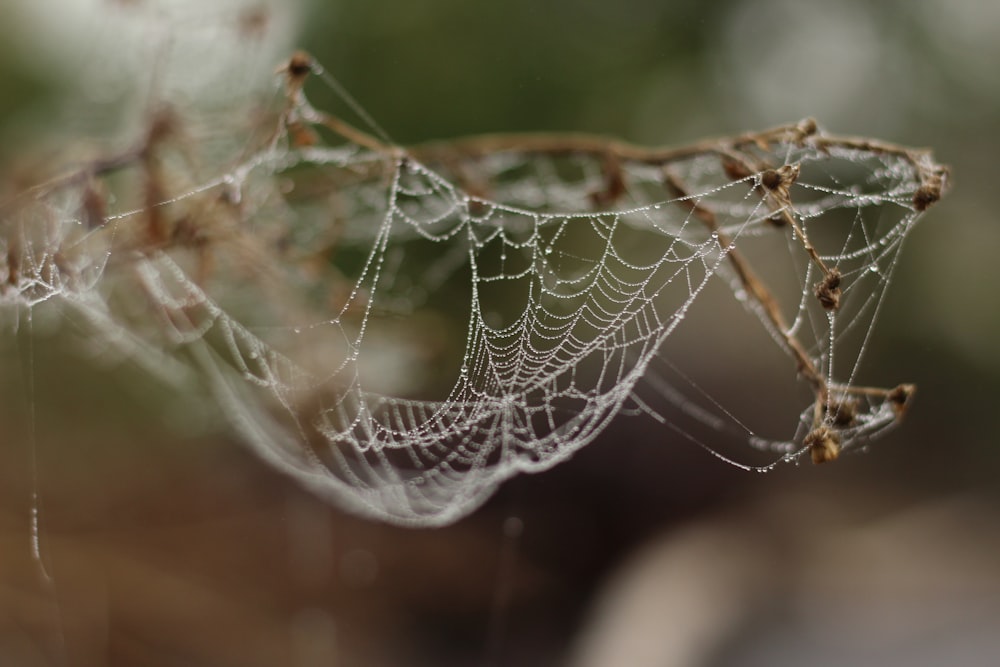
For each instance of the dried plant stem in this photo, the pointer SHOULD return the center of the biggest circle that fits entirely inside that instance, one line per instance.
(740, 157)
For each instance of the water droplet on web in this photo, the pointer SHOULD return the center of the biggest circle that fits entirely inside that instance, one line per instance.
(545, 382)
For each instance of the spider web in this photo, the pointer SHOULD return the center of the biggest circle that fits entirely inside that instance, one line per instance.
(313, 278)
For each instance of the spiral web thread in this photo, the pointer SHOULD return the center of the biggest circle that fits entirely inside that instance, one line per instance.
(282, 270)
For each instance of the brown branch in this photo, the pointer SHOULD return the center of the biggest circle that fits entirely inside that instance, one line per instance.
(756, 287)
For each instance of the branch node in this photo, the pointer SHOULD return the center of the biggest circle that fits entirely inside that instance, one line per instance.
(900, 398)
(931, 190)
(828, 290)
(823, 443)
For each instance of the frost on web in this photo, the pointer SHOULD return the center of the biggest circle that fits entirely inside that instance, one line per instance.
(313, 278)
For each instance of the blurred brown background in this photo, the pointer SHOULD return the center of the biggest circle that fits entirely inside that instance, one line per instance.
(165, 542)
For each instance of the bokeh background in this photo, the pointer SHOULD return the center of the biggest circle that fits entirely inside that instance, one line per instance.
(165, 542)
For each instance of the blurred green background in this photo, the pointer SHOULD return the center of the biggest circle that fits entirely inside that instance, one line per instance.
(167, 545)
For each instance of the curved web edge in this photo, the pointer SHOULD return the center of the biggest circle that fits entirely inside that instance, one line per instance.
(581, 257)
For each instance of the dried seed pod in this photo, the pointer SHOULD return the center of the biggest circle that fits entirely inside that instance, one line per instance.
(823, 443)
(931, 190)
(828, 290)
(843, 411)
(900, 397)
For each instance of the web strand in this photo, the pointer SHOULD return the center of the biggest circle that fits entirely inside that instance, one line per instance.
(402, 329)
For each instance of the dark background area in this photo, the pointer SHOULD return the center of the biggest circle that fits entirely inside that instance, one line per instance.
(167, 543)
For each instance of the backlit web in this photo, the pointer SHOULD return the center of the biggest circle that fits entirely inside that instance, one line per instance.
(403, 329)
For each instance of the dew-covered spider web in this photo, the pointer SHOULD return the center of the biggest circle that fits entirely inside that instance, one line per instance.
(402, 329)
